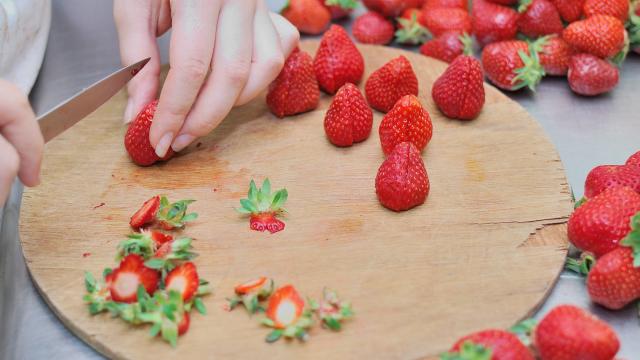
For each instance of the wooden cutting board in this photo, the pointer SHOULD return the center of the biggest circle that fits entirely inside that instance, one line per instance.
(483, 251)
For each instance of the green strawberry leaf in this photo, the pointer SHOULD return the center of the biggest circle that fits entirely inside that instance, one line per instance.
(155, 330)
(279, 199)
(333, 323)
(580, 202)
(274, 336)
(266, 188)
(252, 195)
(580, 266)
(248, 205)
(469, 351)
(199, 305)
(89, 282)
(345, 4)
(524, 329)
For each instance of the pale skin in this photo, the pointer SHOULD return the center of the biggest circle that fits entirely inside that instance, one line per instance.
(223, 53)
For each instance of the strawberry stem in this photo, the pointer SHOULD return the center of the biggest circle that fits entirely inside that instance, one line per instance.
(580, 266)
(469, 351)
(632, 239)
(532, 72)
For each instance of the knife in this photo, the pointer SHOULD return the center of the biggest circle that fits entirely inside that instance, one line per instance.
(76, 108)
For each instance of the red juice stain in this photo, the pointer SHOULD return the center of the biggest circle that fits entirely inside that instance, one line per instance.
(99, 205)
(266, 222)
(109, 217)
(215, 189)
(84, 255)
(198, 145)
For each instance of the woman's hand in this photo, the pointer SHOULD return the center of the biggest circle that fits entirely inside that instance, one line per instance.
(21, 142)
(222, 53)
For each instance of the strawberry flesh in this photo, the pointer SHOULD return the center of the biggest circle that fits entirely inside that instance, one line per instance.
(125, 280)
(183, 279)
(250, 286)
(266, 221)
(285, 307)
(146, 214)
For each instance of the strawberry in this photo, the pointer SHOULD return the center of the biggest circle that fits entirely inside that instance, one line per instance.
(263, 207)
(183, 279)
(146, 214)
(603, 177)
(504, 2)
(555, 55)
(410, 31)
(441, 20)
(250, 286)
(338, 61)
(459, 91)
(512, 65)
(570, 10)
(615, 8)
(126, 279)
(166, 215)
(331, 310)
(614, 281)
(183, 325)
(402, 181)
(492, 22)
(432, 4)
(160, 238)
(340, 8)
(599, 35)
(634, 160)
(589, 75)
(373, 28)
(496, 344)
(570, 333)
(295, 90)
(391, 8)
(448, 46)
(287, 315)
(598, 225)
(634, 28)
(539, 18)
(251, 293)
(349, 118)
(389, 83)
(309, 16)
(136, 140)
(407, 121)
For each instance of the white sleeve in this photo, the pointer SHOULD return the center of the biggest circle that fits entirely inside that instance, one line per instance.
(24, 29)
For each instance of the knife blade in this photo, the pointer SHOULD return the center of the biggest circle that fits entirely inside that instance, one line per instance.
(76, 108)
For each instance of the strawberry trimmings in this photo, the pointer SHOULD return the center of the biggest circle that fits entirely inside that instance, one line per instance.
(264, 207)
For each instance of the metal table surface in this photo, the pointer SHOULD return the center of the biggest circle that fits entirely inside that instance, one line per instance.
(83, 47)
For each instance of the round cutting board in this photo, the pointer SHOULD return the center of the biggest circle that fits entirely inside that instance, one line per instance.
(482, 252)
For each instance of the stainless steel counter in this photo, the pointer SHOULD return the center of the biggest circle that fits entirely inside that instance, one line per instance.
(83, 47)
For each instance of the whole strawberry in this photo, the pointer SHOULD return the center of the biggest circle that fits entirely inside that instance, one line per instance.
(570, 10)
(492, 22)
(338, 61)
(349, 118)
(598, 225)
(555, 55)
(512, 65)
(340, 8)
(432, 4)
(448, 46)
(604, 177)
(614, 281)
(389, 83)
(634, 29)
(441, 20)
(407, 121)
(309, 16)
(615, 8)
(410, 30)
(136, 140)
(570, 333)
(391, 8)
(402, 182)
(589, 75)
(502, 345)
(504, 2)
(295, 90)
(539, 18)
(373, 28)
(634, 160)
(599, 35)
(459, 91)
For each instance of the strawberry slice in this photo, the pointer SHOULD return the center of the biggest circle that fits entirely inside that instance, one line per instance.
(184, 280)
(250, 286)
(285, 307)
(160, 238)
(125, 280)
(146, 214)
(183, 325)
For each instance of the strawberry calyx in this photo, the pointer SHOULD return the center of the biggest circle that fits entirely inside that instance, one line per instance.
(251, 293)
(632, 239)
(581, 266)
(98, 294)
(523, 330)
(159, 256)
(331, 310)
(469, 351)
(174, 215)
(619, 58)
(344, 4)
(467, 44)
(633, 25)
(532, 72)
(410, 31)
(263, 206)
(287, 315)
(523, 6)
(580, 202)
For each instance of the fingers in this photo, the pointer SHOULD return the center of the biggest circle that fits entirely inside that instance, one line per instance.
(194, 29)
(230, 70)
(268, 57)
(20, 130)
(289, 35)
(9, 165)
(136, 22)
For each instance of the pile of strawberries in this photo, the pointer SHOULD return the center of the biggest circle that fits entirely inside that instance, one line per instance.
(155, 283)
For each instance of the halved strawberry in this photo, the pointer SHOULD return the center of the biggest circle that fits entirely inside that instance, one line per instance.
(183, 325)
(183, 279)
(146, 214)
(126, 279)
(251, 293)
(250, 286)
(285, 307)
(160, 238)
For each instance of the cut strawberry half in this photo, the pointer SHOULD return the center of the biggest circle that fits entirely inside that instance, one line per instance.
(285, 307)
(146, 214)
(184, 280)
(251, 293)
(266, 222)
(250, 286)
(160, 238)
(183, 325)
(263, 207)
(126, 279)
(168, 216)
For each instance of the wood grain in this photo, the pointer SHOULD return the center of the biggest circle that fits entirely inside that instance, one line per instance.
(483, 251)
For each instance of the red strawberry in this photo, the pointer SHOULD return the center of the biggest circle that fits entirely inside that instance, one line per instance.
(634, 160)
(391, 8)
(570, 10)
(410, 30)
(598, 225)
(136, 140)
(146, 214)
(349, 118)
(160, 238)
(492, 22)
(250, 286)
(373, 28)
(459, 91)
(340, 8)
(589, 75)
(126, 279)
(502, 344)
(402, 181)
(295, 90)
(338, 61)
(555, 55)
(615, 8)
(406, 121)
(183, 279)
(539, 18)
(266, 222)
(309, 16)
(570, 333)
(431, 4)
(285, 307)
(448, 46)
(599, 35)
(441, 20)
(603, 177)
(183, 325)
(389, 83)
(614, 281)
(510, 65)
(504, 2)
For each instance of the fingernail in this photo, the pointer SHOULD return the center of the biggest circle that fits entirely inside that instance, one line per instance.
(182, 142)
(163, 144)
(128, 112)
